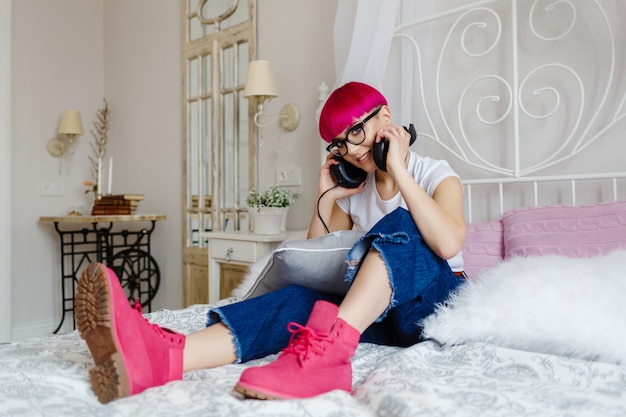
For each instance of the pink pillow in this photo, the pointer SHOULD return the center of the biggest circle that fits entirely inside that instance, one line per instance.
(573, 231)
(483, 247)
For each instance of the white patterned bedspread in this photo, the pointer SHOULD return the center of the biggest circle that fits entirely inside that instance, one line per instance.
(48, 377)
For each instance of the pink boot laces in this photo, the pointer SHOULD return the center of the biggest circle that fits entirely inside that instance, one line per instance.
(156, 328)
(305, 341)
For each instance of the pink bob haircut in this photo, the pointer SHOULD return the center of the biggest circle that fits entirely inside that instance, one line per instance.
(345, 105)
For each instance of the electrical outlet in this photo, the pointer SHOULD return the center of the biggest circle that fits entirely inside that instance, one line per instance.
(288, 176)
(52, 189)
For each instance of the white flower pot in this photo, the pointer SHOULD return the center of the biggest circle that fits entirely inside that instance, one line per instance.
(268, 220)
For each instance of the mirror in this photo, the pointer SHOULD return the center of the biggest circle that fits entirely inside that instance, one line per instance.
(220, 149)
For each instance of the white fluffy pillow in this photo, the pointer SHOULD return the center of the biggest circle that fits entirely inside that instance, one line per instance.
(552, 304)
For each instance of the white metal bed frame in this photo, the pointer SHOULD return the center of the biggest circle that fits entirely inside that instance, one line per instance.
(592, 119)
(574, 181)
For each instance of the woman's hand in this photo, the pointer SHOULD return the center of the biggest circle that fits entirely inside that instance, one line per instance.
(327, 181)
(398, 149)
(327, 216)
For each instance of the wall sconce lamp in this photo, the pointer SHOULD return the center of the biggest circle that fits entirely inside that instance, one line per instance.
(70, 127)
(260, 87)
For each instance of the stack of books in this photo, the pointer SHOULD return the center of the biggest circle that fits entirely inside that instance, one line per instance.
(208, 201)
(116, 204)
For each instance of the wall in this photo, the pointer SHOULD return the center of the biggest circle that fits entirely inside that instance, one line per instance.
(65, 56)
(299, 43)
(142, 81)
(71, 54)
(57, 64)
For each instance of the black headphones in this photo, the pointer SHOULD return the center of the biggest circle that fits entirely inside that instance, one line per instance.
(349, 176)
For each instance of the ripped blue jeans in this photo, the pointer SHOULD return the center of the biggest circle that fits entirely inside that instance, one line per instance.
(419, 280)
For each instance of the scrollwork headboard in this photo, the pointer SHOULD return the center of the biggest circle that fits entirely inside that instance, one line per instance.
(526, 99)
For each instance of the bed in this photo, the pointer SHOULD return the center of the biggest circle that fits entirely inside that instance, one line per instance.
(538, 330)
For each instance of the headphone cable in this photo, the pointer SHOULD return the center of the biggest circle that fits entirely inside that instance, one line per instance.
(318, 207)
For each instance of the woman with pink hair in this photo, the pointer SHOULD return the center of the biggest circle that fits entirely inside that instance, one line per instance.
(410, 209)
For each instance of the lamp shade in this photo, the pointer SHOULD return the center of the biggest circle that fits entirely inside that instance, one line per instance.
(260, 81)
(71, 123)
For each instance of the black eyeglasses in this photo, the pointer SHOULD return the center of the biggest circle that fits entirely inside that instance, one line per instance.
(355, 136)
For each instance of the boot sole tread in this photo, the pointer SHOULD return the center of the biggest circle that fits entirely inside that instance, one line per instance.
(250, 393)
(109, 379)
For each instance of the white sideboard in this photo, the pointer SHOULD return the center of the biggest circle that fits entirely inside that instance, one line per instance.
(235, 251)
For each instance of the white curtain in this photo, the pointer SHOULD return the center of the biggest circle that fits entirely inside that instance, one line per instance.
(362, 33)
(367, 51)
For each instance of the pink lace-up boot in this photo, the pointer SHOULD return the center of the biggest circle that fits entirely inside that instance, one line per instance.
(317, 360)
(130, 353)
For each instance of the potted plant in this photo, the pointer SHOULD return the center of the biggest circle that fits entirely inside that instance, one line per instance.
(268, 209)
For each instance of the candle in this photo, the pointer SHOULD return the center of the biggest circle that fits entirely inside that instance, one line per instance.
(99, 177)
(110, 176)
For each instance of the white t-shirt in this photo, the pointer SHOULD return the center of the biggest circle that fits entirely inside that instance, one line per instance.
(367, 208)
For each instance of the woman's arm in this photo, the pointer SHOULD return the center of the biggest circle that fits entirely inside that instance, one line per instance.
(439, 218)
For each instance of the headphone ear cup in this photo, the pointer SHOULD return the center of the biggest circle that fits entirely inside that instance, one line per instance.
(412, 132)
(380, 149)
(379, 152)
(347, 175)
